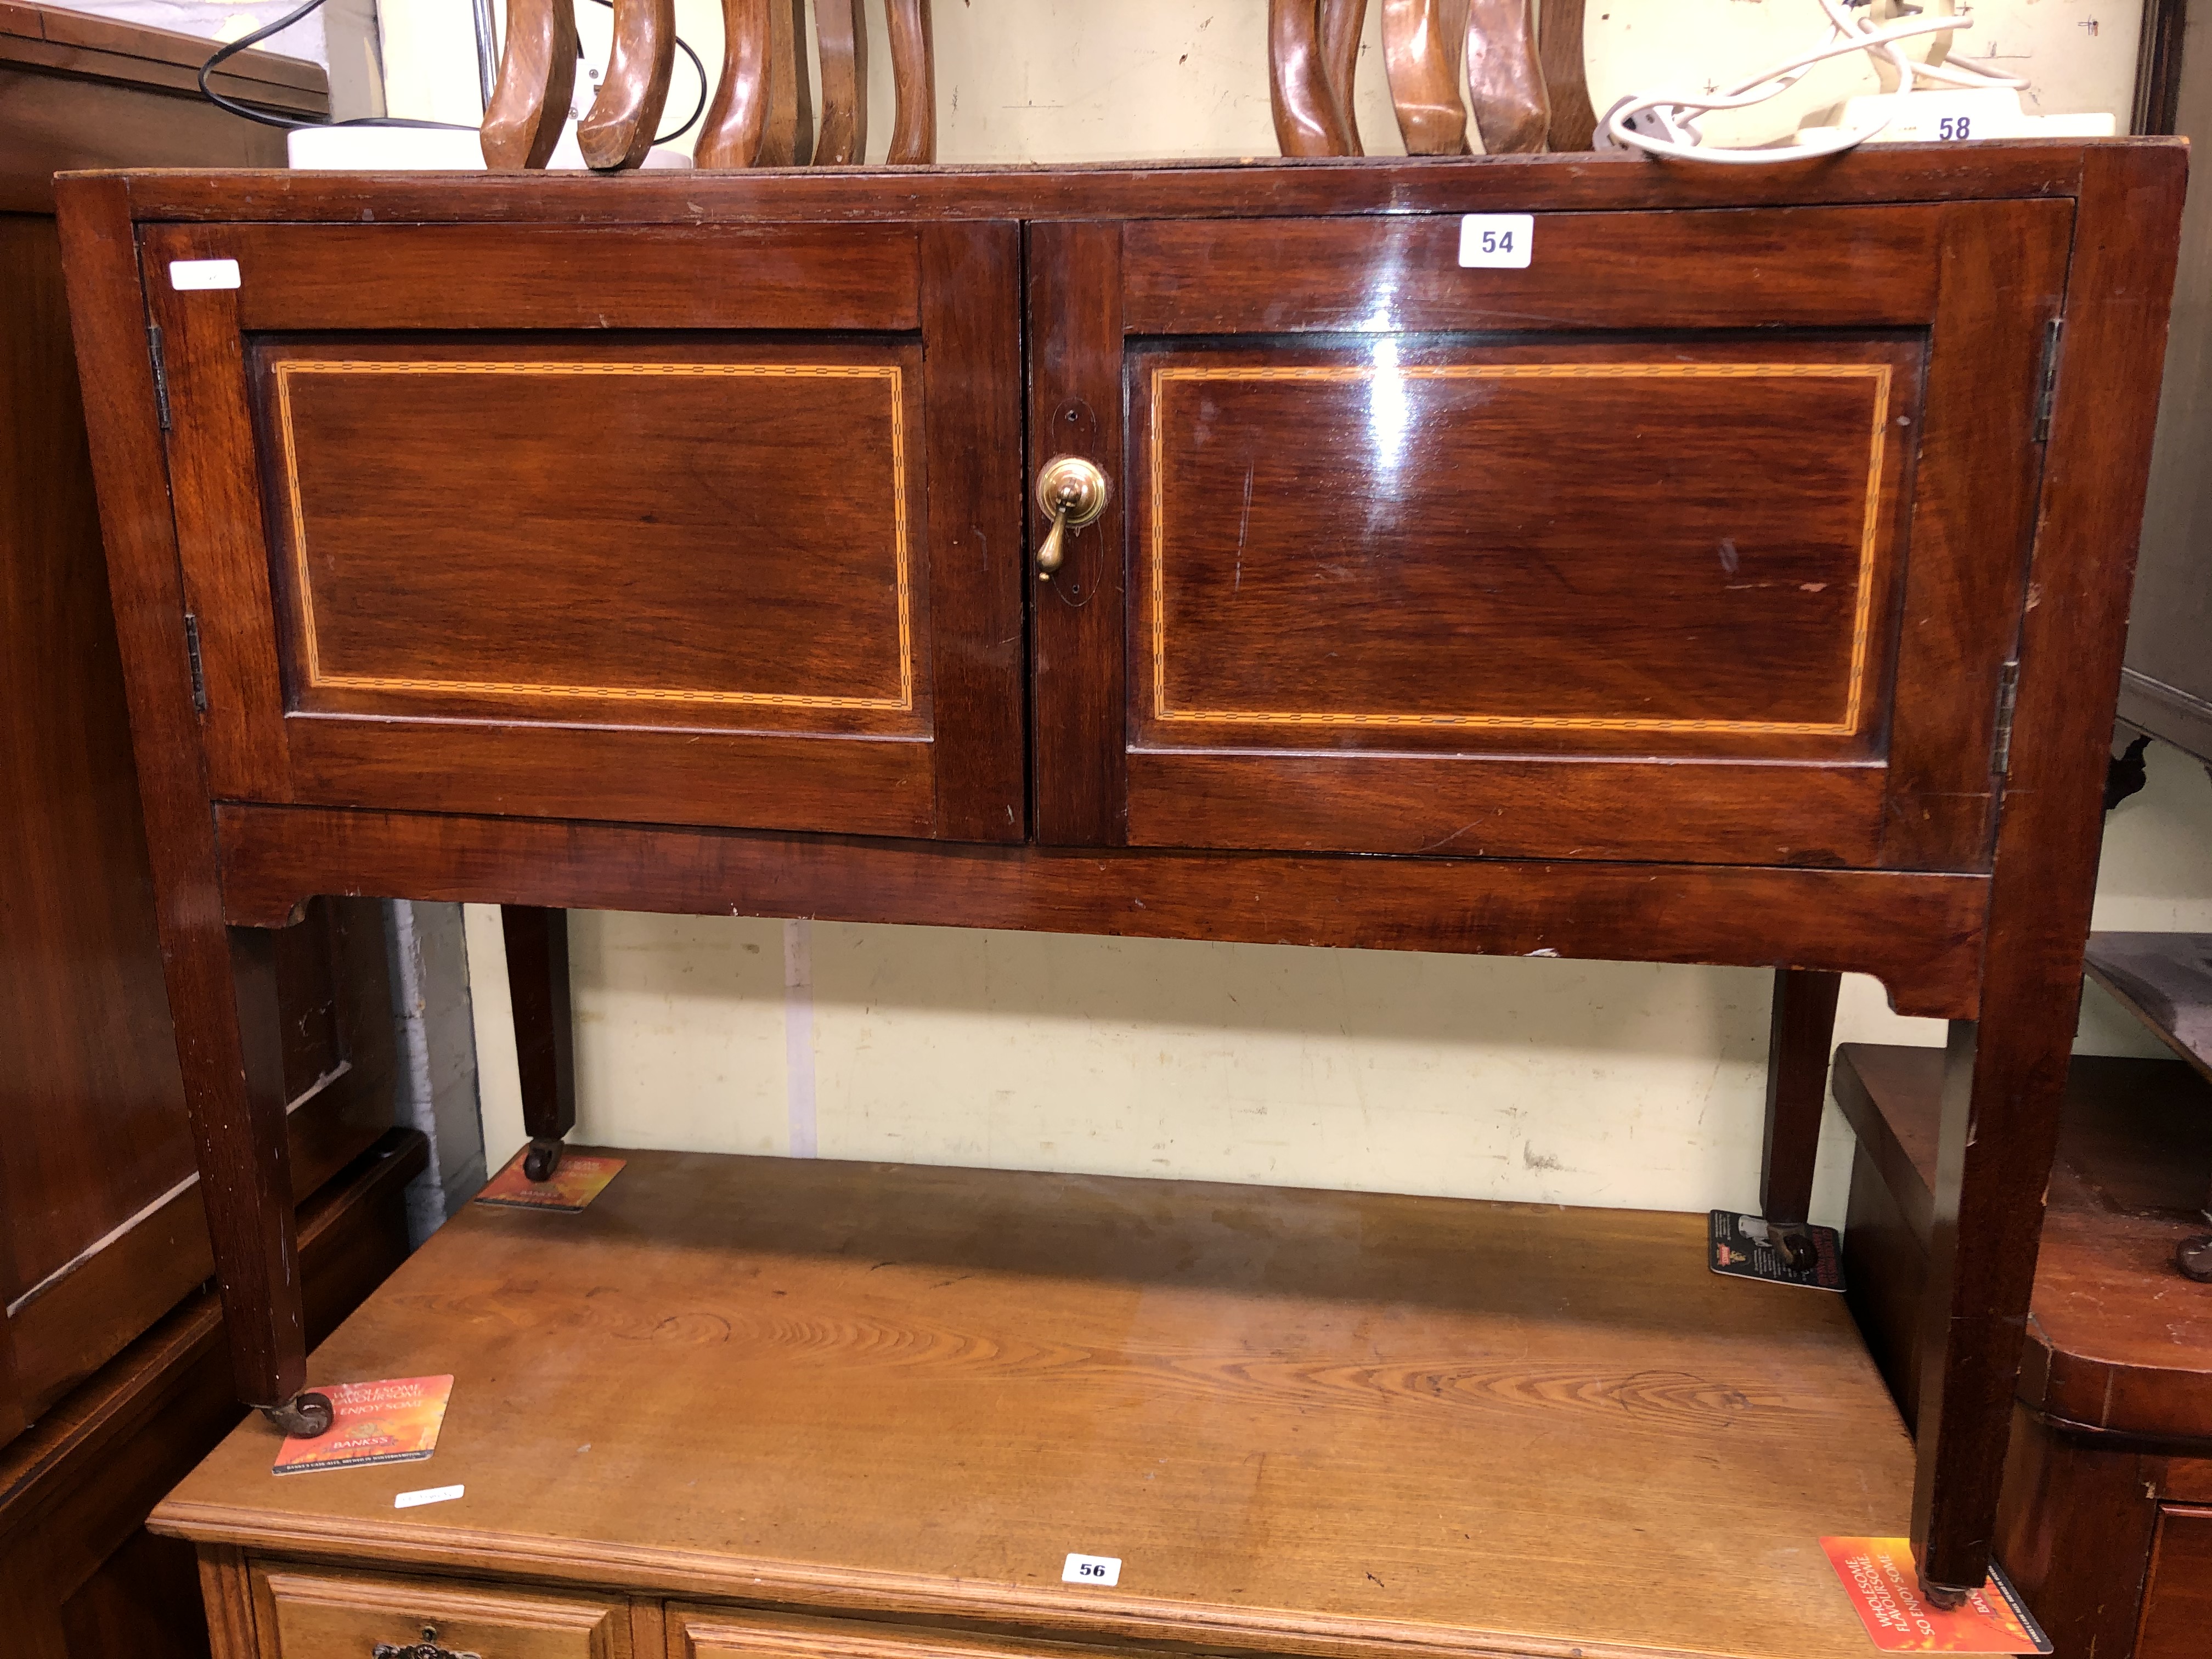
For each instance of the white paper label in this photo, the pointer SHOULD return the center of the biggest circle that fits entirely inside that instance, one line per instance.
(1495, 240)
(1092, 1569)
(408, 1500)
(184, 274)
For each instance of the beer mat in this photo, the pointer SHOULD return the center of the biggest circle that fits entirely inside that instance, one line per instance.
(577, 1182)
(394, 1421)
(1744, 1247)
(1884, 1586)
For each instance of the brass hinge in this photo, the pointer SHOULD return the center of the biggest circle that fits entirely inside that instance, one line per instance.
(160, 374)
(2008, 695)
(199, 673)
(2047, 388)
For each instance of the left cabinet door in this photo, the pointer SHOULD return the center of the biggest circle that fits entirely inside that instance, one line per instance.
(703, 524)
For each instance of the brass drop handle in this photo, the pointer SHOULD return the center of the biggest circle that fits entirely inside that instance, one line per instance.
(1074, 492)
(427, 1648)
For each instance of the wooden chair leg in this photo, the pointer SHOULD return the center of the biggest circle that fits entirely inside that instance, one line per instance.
(841, 30)
(789, 140)
(618, 129)
(1341, 22)
(737, 118)
(544, 1029)
(1505, 77)
(536, 79)
(1307, 119)
(1566, 80)
(1422, 40)
(913, 82)
(1800, 1038)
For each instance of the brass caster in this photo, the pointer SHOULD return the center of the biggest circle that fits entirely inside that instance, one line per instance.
(303, 1417)
(543, 1160)
(1945, 1596)
(2193, 1256)
(1795, 1242)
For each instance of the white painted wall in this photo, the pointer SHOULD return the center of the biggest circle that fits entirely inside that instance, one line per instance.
(1554, 1081)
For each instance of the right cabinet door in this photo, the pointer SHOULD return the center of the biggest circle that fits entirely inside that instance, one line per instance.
(1699, 537)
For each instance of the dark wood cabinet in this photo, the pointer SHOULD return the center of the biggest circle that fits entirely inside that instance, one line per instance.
(1742, 580)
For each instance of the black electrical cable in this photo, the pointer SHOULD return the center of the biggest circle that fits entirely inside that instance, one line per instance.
(246, 112)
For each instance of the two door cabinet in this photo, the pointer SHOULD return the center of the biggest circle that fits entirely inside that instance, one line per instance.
(1210, 551)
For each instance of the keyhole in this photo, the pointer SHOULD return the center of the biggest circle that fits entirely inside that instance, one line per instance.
(429, 1633)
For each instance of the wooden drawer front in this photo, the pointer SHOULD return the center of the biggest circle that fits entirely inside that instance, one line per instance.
(307, 1614)
(2177, 1622)
(697, 1632)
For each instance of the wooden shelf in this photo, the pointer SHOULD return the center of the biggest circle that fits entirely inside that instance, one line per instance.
(1305, 1421)
(2116, 1337)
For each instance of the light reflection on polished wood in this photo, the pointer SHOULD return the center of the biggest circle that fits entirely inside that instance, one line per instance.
(1847, 723)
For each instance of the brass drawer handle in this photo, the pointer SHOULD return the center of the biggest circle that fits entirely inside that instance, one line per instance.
(1074, 492)
(427, 1648)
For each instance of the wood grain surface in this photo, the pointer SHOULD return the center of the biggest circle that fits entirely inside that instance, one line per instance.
(618, 129)
(1423, 49)
(1875, 175)
(230, 1047)
(1341, 22)
(81, 1578)
(1800, 1033)
(1309, 121)
(2022, 541)
(1566, 83)
(1370, 1422)
(736, 121)
(1505, 77)
(841, 32)
(1989, 1186)
(2117, 1341)
(1917, 934)
(2178, 1601)
(913, 82)
(536, 80)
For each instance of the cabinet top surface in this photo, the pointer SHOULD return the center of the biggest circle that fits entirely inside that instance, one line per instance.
(1598, 181)
(1294, 1416)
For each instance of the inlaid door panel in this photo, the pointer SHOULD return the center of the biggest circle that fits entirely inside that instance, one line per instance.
(680, 547)
(1542, 563)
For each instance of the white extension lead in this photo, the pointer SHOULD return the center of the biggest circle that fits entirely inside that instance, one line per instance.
(1666, 123)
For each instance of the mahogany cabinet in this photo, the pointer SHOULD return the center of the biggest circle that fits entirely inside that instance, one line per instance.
(1743, 580)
